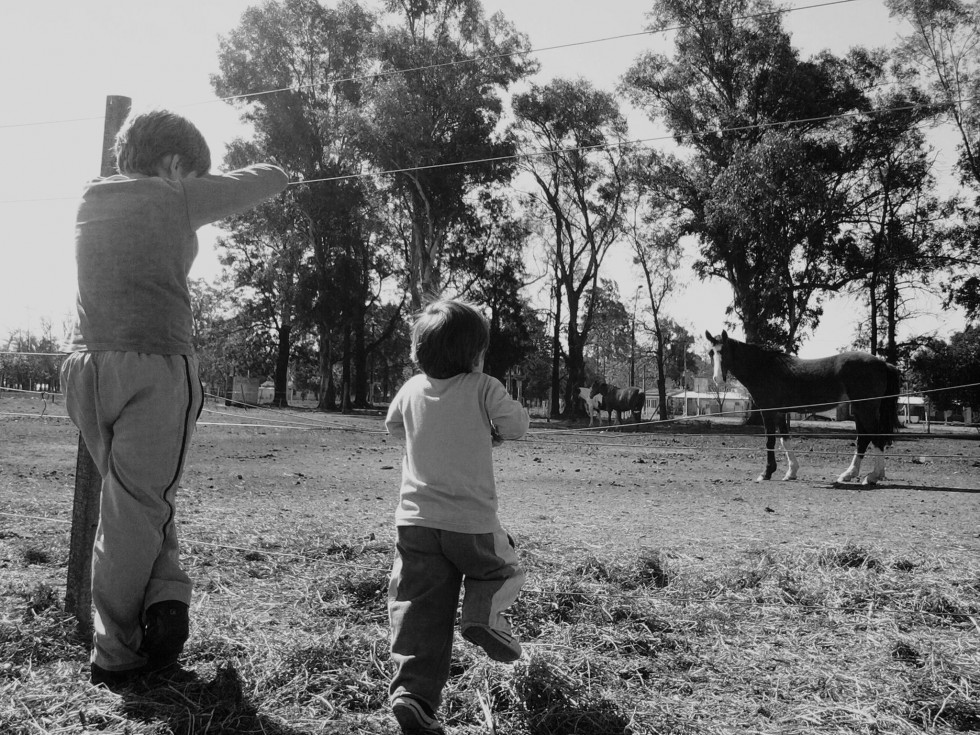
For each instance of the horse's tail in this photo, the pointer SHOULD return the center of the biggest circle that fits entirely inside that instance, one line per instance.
(888, 408)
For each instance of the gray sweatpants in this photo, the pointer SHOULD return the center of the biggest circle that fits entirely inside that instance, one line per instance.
(136, 413)
(431, 567)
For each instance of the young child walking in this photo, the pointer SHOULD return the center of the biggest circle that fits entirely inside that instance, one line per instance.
(131, 380)
(449, 535)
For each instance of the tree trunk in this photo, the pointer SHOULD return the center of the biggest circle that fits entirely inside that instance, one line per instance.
(554, 411)
(575, 359)
(281, 378)
(661, 378)
(360, 358)
(326, 400)
(891, 346)
(345, 373)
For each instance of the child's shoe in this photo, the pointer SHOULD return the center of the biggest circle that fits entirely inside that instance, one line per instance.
(114, 680)
(415, 717)
(498, 644)
(166, 631)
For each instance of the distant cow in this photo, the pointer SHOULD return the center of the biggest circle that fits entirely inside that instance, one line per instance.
(593, 404)
(619, 400)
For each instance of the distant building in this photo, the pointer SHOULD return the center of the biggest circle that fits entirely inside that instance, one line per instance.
(683, 402)
(242, 390)
(912, 409)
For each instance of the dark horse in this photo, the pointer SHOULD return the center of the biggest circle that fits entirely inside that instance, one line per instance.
(619, 400)
(779, 383)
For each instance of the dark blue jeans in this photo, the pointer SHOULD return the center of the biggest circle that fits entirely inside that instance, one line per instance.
(431, 567)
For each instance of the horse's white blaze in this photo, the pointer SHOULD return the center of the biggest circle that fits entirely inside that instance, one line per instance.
(716, 362)
(791, 460)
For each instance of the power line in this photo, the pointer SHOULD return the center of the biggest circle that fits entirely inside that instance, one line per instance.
(542, 438)
(495, 57)
(798, 408)
(637, 143)
(456, 62)
(39, 354)
(625, 144)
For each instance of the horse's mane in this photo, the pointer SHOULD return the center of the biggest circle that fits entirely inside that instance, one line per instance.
(770, 355)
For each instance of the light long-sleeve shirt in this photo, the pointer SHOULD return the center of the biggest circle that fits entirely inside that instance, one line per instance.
(135, 242)
(447, 472)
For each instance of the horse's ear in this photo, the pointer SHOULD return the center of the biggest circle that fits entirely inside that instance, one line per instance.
(708, 335)
(724, 335)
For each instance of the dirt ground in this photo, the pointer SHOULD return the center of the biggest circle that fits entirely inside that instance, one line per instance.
(687, 487)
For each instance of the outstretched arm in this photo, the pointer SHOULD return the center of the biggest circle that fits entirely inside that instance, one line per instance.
(507, 416)
(215, 196)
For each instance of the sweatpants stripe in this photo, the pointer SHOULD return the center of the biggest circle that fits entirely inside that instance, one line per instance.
(183, 443)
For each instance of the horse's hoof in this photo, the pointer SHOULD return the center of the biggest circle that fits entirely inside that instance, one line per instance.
(789, 477)
(762, 478)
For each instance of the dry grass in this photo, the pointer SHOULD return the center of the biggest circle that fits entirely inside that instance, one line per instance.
(839, 639)
(289, 628)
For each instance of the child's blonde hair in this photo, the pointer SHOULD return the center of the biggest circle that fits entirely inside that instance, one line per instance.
(147, 137)
(448, 337)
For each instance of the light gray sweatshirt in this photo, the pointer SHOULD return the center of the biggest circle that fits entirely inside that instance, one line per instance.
(447, 472)
(135, 242)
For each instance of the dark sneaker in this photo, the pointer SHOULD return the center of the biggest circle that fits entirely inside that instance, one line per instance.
(167, 627)
(415, 717)
(115, 679)
(499, 646)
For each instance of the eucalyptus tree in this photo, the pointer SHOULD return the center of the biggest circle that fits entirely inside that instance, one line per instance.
(263, 254)
(612, 345)
(765, 157)
(950, 369)
(487, 263)
(229, 338)
(574, 149)
(30, 362)
(896, 214)
(944, 48)
(297, 71)
(430, 116)
(655, 243)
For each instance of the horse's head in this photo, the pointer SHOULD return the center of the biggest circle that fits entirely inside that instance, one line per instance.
(598, 389)
(720, 355)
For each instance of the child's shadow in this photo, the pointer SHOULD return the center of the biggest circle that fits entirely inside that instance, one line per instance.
(197, 706)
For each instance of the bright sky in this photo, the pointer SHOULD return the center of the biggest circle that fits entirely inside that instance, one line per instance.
(62, 58)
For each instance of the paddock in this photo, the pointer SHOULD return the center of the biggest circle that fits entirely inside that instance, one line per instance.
(286, 519)
(692, 477)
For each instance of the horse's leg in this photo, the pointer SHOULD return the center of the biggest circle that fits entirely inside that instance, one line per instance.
(769, 420)
(861, 445)
(793, 465)
(878, 473)
(855, 467)
(879, 442)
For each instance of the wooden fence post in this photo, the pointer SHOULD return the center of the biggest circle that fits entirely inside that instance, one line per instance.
(88, 481)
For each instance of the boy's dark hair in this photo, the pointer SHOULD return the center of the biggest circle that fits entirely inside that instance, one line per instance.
(146, 137)
(448, 337)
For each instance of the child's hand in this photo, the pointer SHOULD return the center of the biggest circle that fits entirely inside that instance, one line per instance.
(495, 438)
